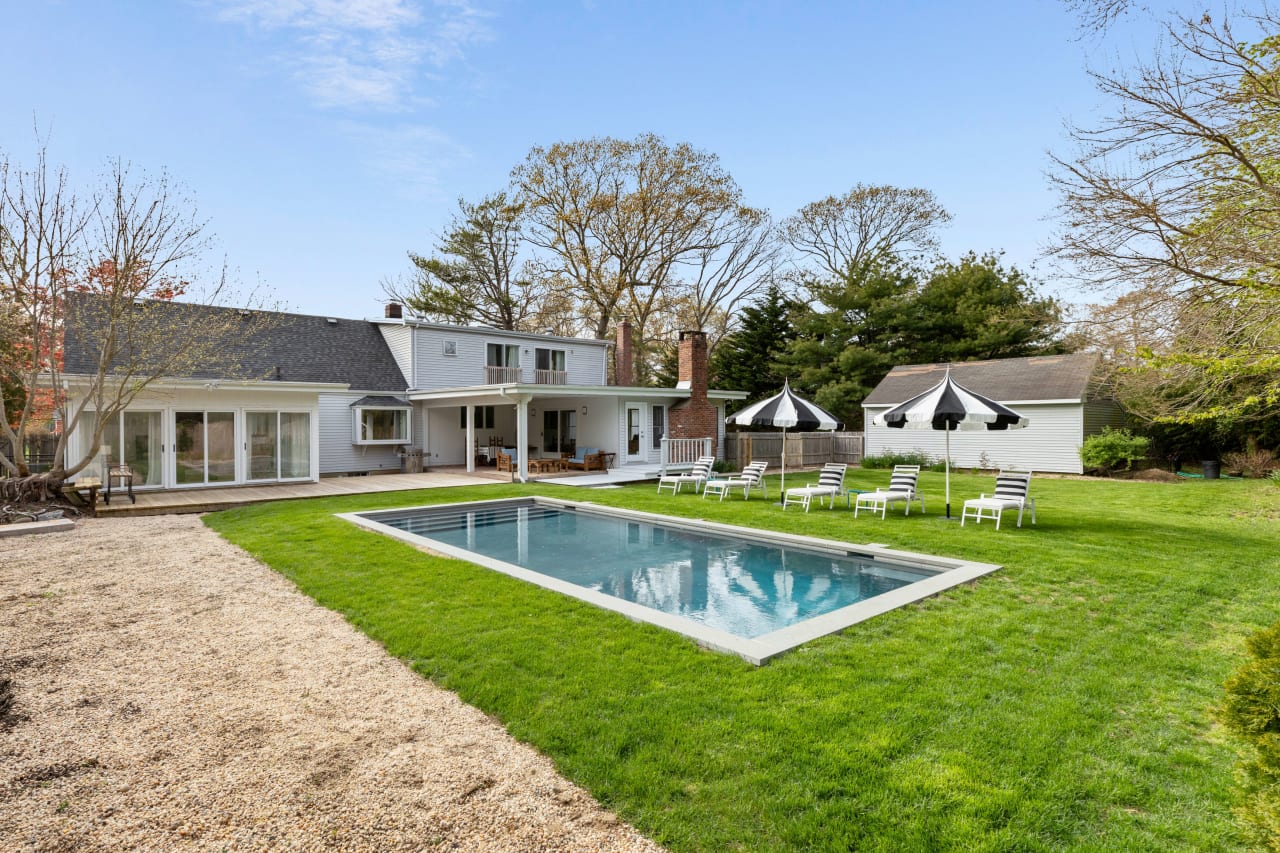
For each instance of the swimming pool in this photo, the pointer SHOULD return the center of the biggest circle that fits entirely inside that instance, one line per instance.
(751, 592)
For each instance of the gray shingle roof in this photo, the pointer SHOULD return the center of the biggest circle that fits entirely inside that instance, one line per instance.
(1046, 377)
(257, 345)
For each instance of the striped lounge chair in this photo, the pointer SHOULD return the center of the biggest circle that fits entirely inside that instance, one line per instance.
(752, 477)
(701, 471)
(1011, 493)
(902, 488)
(830, 484)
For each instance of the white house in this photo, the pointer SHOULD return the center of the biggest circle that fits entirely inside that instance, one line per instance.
(302, 397)
(1058, 393)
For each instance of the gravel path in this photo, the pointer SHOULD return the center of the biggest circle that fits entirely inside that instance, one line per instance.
(170, 692)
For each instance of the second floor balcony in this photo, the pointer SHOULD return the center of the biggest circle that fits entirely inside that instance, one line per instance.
(551, 377)
(502, 375)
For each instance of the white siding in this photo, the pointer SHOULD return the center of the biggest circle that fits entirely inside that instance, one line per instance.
(337, 453)
(1050, 443)
(583, 359)
(400, 342)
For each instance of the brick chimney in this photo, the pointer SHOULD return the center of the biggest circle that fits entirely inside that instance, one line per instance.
(695, 417)
(624, 364)
(692, 370)
(394, 311)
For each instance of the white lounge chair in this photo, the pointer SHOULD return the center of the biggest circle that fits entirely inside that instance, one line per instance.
(1011, 493)
(830, 484)
(752, 477)
(902, 488)
(701, 471)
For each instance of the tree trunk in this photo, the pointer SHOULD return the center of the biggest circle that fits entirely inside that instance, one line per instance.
(32, 489)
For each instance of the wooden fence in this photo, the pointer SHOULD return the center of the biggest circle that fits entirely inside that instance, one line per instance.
(804, 449)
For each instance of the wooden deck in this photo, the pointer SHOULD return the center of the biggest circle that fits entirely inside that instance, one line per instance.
(211, 500)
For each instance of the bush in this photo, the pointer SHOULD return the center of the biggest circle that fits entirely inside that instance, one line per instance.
(1252, 713)
(723, 466)
(1251, 462)
(1106, 450)
(915, 457)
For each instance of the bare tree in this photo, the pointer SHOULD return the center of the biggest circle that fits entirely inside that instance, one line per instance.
(1176, 194)
(105, 270)
(617, 216)
(845, 234)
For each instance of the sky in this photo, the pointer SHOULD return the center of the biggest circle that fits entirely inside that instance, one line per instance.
(323, 140)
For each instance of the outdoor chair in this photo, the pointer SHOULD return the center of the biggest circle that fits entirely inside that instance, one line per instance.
(1011, 493)
(506, 459)
(830, 485)
(699, 475)
(752, 477)
(902, 488)
(586, 459)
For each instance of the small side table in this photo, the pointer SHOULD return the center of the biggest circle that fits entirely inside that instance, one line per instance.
(848, 496)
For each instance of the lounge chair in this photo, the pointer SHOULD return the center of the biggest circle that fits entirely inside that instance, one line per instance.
(699, 475)
(902, 488)
(830, 484)
(752, 477)
(1011, 493)
(507, 459)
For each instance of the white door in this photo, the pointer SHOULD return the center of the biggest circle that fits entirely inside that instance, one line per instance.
(635, 433)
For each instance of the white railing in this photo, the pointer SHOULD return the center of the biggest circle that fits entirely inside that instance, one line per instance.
(551, 377)
(683, 451)
(501, 375)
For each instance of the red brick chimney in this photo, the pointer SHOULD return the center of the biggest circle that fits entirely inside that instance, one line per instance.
(695, 417)
(394, 311)
(624, 365)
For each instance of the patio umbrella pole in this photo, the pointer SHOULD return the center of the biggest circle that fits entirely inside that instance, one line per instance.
(947, 435)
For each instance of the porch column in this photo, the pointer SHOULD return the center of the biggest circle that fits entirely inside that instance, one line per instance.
(470, 449)
(522, 438)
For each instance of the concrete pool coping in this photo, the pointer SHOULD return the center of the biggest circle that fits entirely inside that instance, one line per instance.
(759, 650)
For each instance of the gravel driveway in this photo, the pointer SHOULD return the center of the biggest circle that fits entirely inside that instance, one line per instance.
(170, 692)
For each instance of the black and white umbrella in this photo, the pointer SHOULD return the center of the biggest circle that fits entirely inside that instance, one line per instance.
(950, 406)
(785, 410)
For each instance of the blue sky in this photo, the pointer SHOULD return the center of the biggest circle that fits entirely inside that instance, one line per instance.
(325, 139)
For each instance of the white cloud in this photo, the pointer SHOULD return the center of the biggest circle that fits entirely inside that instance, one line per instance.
(412, 156)
(363, 54)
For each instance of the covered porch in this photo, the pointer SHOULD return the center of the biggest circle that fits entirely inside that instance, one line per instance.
(536, 425)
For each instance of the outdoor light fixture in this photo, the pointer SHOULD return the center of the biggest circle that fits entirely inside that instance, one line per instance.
(584, 410)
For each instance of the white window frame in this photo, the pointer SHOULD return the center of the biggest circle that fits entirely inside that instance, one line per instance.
(357, 421)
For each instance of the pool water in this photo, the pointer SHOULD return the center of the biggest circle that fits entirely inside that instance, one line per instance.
(742, 586)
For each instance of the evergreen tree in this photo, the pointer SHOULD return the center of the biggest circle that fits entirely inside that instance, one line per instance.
(747, 359)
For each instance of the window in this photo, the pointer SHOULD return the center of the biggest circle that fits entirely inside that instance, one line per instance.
(374, 425)
(559, 431)
(502, 355)
(484, 417)
(451, 348)
(659, 429)
(549, 359)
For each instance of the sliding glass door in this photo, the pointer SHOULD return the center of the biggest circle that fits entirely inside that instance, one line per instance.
(279, 445)
(204, 448)
(129, 438)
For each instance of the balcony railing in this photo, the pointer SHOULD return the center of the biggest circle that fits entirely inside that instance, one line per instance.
(501, 375)
(551, 377)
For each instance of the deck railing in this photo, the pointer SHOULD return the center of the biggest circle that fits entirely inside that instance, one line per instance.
(551, 377)
(501, 375)
(683, 451)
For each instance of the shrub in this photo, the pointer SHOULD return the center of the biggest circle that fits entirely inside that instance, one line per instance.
(915, 457)
(1106, 450)
(1274, 477)
(1252, 713)
(723, 466)
(1253, 461)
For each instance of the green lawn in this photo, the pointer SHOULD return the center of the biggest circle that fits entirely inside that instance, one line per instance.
(1060, 703)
